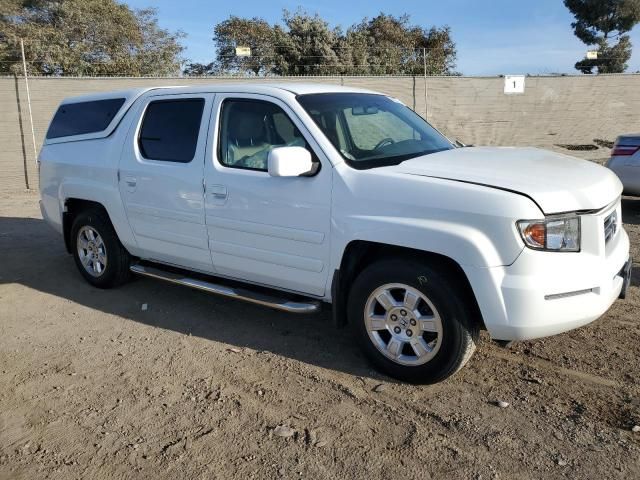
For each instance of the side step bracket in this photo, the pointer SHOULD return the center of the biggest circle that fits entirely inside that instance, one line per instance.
(259, 298)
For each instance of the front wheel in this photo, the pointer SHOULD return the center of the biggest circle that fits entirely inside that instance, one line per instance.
(101, 258)
(412, 320)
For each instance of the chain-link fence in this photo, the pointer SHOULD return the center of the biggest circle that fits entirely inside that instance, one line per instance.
(578, 115)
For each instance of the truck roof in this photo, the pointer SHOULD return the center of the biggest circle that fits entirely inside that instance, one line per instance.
(297, 88)
(112, 106)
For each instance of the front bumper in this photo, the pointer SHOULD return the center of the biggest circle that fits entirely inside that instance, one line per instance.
(546, 293)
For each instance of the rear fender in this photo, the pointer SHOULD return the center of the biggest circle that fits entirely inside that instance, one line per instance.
(107, 196)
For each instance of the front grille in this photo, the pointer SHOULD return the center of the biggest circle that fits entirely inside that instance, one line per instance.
(610, 226)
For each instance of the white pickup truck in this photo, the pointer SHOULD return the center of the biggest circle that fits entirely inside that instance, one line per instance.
(293, 195)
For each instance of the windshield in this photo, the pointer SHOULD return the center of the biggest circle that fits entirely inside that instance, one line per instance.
(372, 130)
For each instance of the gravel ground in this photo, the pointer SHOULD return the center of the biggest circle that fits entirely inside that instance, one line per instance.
(94, 385)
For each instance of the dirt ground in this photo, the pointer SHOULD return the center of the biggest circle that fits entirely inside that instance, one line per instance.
(94, 386)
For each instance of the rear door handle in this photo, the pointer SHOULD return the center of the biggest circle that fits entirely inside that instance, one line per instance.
(131, 183)
(218, 191)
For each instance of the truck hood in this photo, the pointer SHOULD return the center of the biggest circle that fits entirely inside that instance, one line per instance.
(556, 182)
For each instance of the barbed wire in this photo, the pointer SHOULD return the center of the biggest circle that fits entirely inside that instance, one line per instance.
(242, 76)
(230, 65)
(27, 41)
(262, 66)
(242, 58)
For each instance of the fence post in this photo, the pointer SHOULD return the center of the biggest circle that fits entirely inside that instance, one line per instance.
(24, 148)
(426, 104)
(26, 83)
(413, 92)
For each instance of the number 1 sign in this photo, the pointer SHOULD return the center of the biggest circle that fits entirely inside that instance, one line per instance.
(513, 84)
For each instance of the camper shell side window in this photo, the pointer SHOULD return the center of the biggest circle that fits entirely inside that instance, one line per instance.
(82, 118)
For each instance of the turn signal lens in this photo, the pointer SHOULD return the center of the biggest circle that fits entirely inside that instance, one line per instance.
(535, 234)
(555, 234)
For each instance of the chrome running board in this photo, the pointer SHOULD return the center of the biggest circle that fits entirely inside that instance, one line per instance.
(283, 304)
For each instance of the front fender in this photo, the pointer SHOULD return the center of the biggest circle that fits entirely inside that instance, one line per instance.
(471, 224)
(464, 244)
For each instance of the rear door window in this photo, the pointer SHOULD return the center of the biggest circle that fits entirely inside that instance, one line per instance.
(170, 129)
(84, 117)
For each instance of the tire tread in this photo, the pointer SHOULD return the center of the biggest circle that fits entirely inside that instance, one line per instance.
(119, 259)
(461, 331)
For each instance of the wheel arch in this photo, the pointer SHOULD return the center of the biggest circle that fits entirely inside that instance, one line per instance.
(77, 194)
(358, 254)
(72, 207)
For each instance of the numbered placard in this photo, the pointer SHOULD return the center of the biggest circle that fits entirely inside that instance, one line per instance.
(513, 84)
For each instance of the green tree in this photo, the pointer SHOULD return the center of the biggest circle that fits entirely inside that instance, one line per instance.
(391, 45)
(87, 37)
(200, 69)
(382, 45)
(255, 33)
(605, 24)
(8, 55)
(307, 46)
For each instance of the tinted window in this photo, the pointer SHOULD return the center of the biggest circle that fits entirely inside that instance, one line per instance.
(250, 129)
(170, 130)
(84, 117)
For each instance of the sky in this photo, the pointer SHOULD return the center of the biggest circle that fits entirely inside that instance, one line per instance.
(493, 37)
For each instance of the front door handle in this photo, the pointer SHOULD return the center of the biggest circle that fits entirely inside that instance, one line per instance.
(218, 191)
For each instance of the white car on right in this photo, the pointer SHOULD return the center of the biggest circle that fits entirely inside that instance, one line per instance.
(625, 162)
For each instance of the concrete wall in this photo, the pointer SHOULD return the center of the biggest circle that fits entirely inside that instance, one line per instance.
(552, 111)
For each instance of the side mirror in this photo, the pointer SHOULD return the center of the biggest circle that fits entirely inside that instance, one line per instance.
(289, 162)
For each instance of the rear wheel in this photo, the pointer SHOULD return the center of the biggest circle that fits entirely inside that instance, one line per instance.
(412, 320)
(97, 251)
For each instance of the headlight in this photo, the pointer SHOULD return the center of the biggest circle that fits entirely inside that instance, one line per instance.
(555, 234)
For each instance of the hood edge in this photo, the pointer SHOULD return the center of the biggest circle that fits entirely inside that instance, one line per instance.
(481, 185)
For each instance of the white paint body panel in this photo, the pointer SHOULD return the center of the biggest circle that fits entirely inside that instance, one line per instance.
(513, 297)
(269, 230)
(163, 200)
(291, 232)
(558, 183)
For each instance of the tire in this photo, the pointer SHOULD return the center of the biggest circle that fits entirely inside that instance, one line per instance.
(104, 249)
(420, 341)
